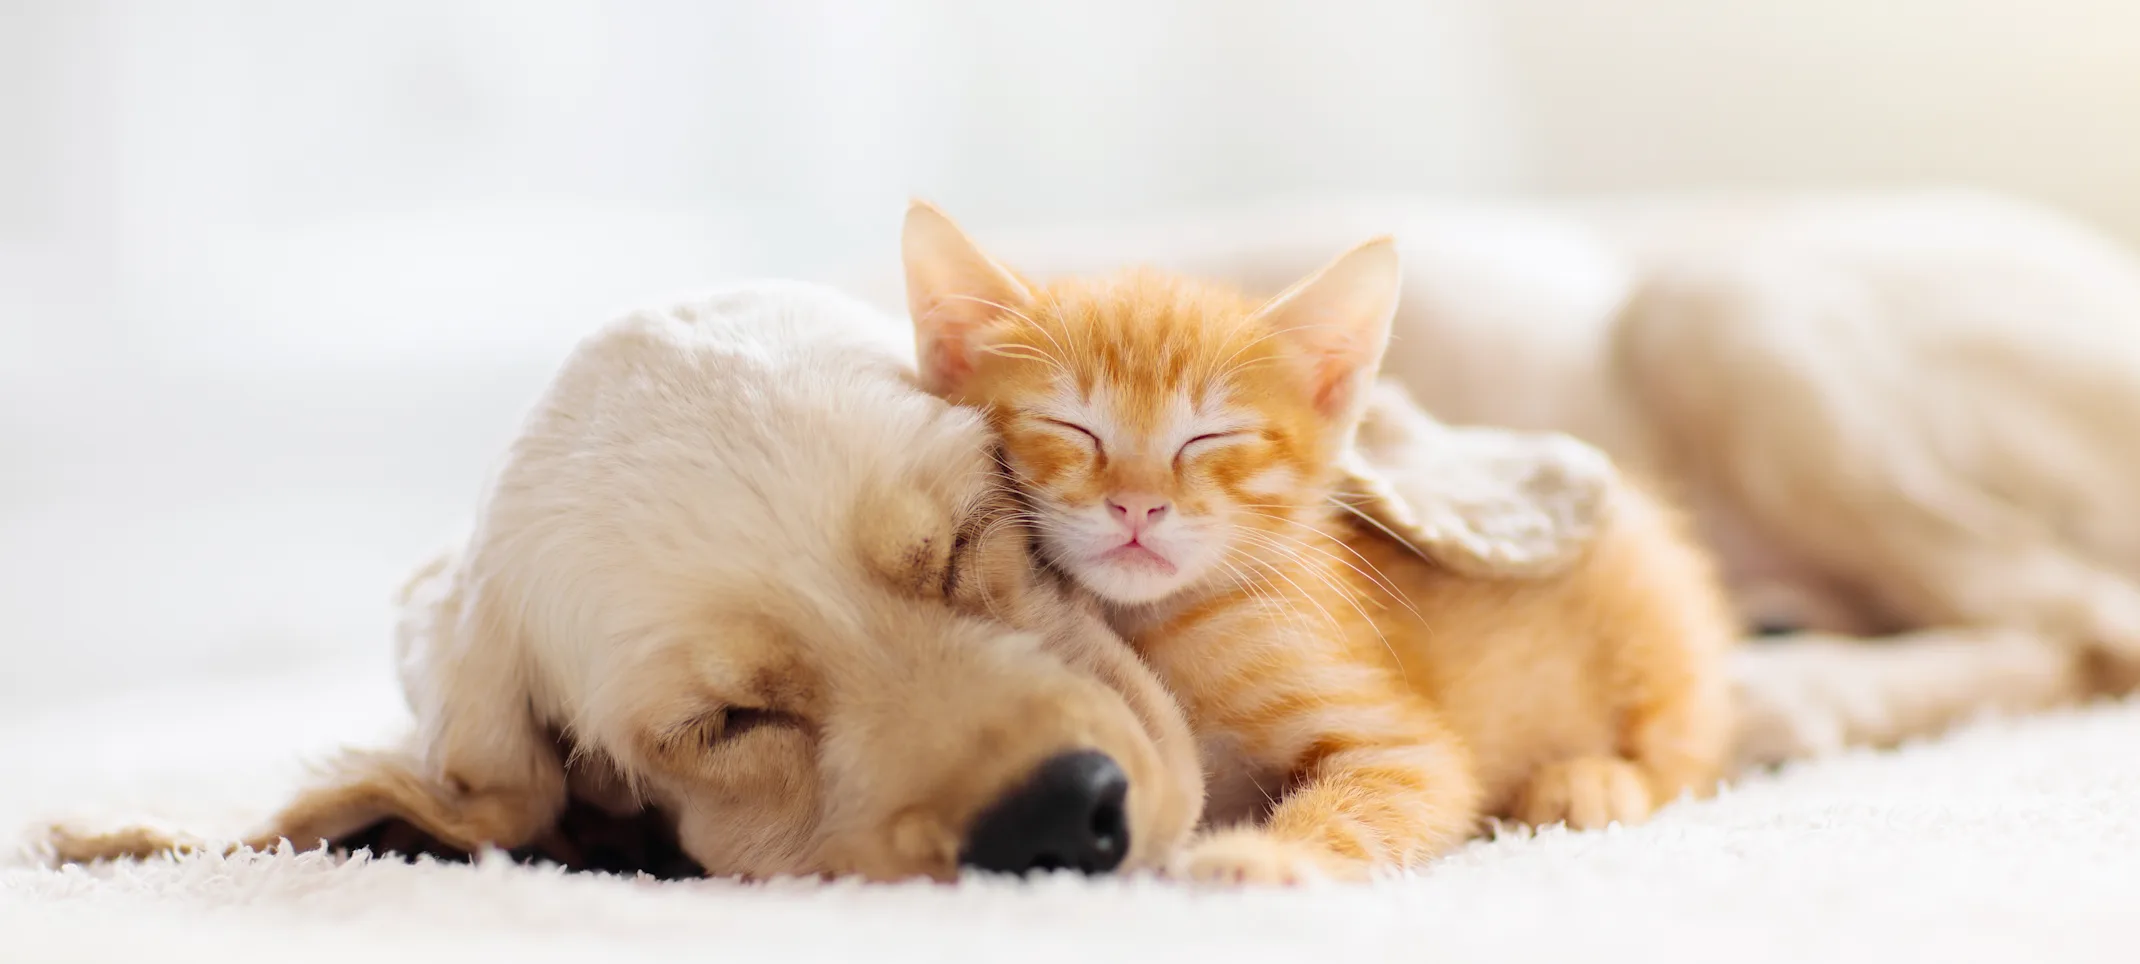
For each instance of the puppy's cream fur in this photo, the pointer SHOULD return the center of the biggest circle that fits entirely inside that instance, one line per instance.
(1900, 419)
(757, 579)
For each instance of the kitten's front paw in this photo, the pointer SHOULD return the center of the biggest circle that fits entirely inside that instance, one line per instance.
(1253, 858)
(1585, 793)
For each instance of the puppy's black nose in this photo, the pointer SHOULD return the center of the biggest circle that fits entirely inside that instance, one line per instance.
(1068, 814)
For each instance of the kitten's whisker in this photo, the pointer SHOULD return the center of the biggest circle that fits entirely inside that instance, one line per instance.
(1253, 570)
(1385, 530)
(1260, 338)
(1246, 365)
(1027, 353)
(1336, 626)
(1057, 359)
(1328, 580)
(1368, 572)
(999, 306)
(1372, 572)
(1344, 592)
(1268, 598)
(1240, 581)
(1052, 340)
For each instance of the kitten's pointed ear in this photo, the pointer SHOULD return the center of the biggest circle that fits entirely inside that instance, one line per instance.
(1489, 503)
(1339, 318)
(954, 292)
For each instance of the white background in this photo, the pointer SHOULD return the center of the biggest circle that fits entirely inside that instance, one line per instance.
(277, 277)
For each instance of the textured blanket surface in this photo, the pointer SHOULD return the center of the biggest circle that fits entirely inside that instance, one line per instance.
(2009, 841)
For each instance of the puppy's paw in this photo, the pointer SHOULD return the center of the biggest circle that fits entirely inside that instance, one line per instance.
(1783, 717)
(1585, 793)
(63, 844)
(2110, 656)
(1253, 858)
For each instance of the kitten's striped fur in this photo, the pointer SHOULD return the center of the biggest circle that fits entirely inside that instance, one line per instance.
(1359, 707)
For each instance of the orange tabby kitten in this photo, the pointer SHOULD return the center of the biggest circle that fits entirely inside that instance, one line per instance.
(1358, 705)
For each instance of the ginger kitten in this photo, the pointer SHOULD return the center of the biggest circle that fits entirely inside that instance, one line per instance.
(1358, 706)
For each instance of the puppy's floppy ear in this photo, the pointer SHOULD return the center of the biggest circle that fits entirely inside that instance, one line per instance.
(954, 292)
(1484, 502)
(359, 790)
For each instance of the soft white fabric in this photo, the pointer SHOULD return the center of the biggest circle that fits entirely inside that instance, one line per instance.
(2012, 841)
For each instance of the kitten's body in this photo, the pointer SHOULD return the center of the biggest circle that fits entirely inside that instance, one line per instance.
(1358, 705)
(1531, 677)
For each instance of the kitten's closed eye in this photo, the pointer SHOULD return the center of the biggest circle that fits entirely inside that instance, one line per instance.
(1072, 428)
(1205, 443)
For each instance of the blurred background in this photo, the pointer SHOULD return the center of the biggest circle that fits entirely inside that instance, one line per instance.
(277, 278)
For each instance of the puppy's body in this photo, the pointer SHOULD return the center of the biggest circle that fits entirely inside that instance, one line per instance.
(738, 568)
(1897, 418)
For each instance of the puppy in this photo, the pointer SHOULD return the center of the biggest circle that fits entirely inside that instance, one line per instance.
(1901, 420)
(739, 569)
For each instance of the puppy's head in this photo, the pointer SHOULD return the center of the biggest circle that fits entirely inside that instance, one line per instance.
(841, 658)
(906, 700)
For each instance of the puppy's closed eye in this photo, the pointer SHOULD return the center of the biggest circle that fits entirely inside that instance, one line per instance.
(724, 726)
(740, 721)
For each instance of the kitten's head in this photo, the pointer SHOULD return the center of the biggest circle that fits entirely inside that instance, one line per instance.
(1167, 431)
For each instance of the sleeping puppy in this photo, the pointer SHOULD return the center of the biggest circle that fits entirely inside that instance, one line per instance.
(739, 570)
(1903, 421)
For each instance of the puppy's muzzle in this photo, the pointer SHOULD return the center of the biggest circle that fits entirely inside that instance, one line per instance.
(1069, 814)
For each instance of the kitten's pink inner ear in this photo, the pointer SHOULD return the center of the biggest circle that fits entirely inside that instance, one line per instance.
(955, 294)
(1339, 319)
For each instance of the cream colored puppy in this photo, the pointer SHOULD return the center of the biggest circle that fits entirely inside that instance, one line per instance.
(1900, 419)
(738, 568)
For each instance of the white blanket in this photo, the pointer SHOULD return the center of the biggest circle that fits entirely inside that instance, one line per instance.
(2012, 841)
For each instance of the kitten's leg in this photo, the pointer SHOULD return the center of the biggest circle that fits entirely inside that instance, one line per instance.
(1676, 739)
(1585, 793)
(1660, 669)
(1384, 784)
(1394, 801)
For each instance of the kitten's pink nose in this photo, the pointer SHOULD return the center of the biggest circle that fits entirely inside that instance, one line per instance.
(1138, 512)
